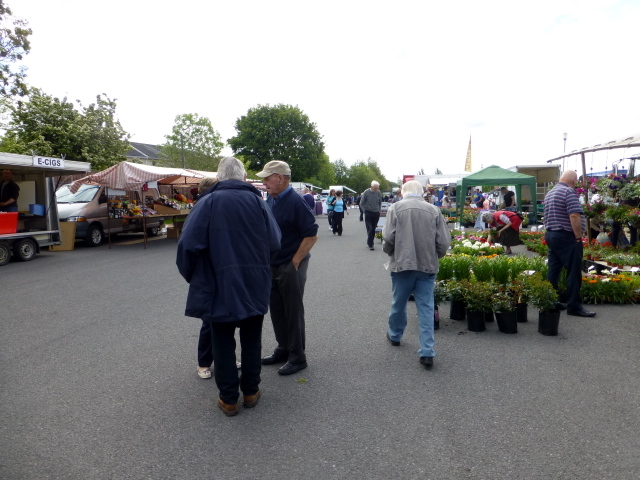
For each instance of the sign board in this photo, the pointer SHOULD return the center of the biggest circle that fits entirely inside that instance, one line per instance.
(47, 162)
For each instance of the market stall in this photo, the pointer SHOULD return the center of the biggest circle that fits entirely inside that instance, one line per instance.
(491, 176)
(36, 223)
(125, 178)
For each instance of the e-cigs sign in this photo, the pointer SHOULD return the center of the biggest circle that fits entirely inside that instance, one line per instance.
(46, 162)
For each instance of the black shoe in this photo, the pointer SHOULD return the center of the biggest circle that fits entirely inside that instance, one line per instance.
(582, 313)
(371, 248)
(427, 361)
(393, 342)
(274, 358)
(291, 368)
(561, 306)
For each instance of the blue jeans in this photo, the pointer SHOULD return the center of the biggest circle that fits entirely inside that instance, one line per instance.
(421, 284)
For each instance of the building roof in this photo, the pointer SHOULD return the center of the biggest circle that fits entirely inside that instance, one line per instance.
(144, 151)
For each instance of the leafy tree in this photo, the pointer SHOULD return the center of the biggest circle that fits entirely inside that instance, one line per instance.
(341, 172)
(361, 174)
(421, 171)
(193, 136)
(14, 45)
(326, 175)
(46, 125)
(437, 172)
(282, 132)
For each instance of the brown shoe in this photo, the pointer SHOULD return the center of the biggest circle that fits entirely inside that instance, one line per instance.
(228, 410)
(250, 401)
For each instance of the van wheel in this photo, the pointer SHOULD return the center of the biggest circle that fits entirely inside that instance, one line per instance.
(94, 236)
(25, 249)
(153, 231)
(5, 254)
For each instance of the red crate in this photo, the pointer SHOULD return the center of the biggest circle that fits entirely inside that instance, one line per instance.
(8, 222)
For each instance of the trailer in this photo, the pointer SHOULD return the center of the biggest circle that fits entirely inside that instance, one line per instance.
(36, 224)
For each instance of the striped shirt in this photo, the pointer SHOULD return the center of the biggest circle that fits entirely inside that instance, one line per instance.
(559, 203)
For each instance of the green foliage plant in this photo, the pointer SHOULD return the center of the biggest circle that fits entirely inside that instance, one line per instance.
(446, 268)
(501, 269)
(478, 296)
(462, 265)
(540, 293)
(483, 269)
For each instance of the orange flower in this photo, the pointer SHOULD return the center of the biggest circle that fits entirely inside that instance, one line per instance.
(593, 281)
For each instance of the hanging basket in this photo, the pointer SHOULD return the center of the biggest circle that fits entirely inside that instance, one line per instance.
(507, 321)
(548, 322)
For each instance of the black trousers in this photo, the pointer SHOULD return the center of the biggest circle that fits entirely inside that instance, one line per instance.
(287, 310)
(224, 357)
(205, 355)
(371, 222)
(616, 230)
(566, 252)
(337, 222)
(361, 212)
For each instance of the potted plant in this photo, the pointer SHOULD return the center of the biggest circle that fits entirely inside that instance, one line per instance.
(478, 300)
(505, 309)
(454, 293)
(544, 297)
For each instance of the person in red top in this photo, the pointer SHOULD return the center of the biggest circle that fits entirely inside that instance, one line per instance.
(507, 226)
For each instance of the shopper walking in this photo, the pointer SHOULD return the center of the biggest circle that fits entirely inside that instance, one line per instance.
(370, 203)
(330, 202)
(415, 236)
(339, 209)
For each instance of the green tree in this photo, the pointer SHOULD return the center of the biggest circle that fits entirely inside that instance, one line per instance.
(46, 125)
(282, 132)
(195, 137)
(437, 172)
(341, 172)
(14, 45)
(326, 174)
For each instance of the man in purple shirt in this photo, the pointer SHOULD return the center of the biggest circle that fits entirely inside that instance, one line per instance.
(564, 222)
(308, 197)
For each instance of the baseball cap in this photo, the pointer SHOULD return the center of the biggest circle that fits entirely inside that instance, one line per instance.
(275, 166)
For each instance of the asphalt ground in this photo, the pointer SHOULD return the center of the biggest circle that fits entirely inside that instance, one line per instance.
(98, 381)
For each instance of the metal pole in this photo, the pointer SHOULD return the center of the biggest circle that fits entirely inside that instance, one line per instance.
(182, 149)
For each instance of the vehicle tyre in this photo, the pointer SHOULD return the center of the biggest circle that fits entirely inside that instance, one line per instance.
(153, 231)
(5, 254)
(25, 249)
(94, 236)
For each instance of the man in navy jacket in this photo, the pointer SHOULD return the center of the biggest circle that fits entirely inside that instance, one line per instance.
(224, 253)
(289, 267)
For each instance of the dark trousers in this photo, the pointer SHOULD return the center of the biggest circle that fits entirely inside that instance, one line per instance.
(205, 355)
(287, 309)
(371, 222)
(565, 251)
(616, 230)
(330, 217)
(361, 212)
(337, 222)
(224, 357)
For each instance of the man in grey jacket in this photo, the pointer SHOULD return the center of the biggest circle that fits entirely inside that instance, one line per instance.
(370, 204)
(415, 236)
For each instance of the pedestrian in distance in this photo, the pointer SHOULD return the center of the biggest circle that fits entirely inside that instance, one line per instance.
(415, 236)
(370, 204)
(358, 199)
(224, 253)
(308, 197)
(288, 268)
(9, 192)
(565, 223)
(330, 201)
(339, 209)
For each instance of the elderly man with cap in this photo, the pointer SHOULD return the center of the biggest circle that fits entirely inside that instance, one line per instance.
(289, 267)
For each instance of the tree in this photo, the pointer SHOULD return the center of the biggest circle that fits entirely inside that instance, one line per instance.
(195, 137)
(326, 174)
(437, 172)
(282, 132)
(421, 171)
(341, 172)
(14, 45)
(46, 125)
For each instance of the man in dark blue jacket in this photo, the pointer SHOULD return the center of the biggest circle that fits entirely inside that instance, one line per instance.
(224, 253)
(289, 267)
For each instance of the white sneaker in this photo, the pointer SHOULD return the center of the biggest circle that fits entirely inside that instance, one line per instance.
(204, 372)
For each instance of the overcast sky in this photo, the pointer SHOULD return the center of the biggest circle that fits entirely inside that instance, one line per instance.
(404, 82)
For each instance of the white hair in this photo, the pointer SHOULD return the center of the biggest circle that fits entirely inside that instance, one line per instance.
(375, 184)
(230, 168)
(412, 187)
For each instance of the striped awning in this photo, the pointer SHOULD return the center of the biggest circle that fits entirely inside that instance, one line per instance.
(132, 176)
